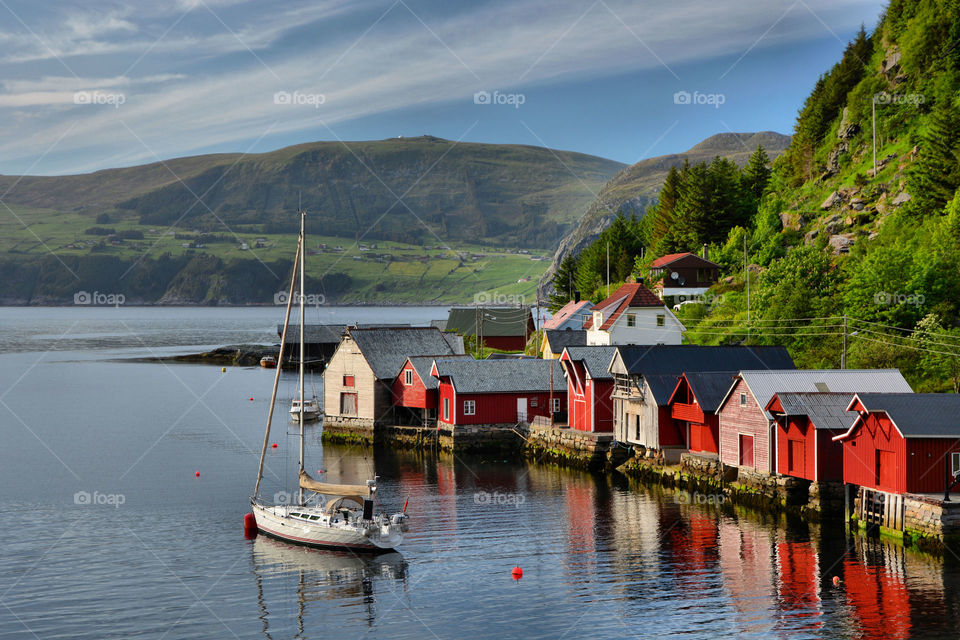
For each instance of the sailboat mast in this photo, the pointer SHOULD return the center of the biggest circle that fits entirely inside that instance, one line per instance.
(276, 377)
(303, 218)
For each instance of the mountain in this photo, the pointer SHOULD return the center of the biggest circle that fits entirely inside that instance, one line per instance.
(404, 189)
(635, 188)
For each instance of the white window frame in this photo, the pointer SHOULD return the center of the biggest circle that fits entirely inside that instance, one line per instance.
(597, 319)
(556, 405)
(955, 463)
(533, 402)
(446, 409)
(631, 319)
(469, 407)
(743, 398)
(408, 377)
(661, 320)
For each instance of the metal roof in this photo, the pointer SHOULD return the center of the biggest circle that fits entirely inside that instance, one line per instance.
(561, 338)
(596, 359)
(824, 410)
(422, 364)
(678, 359)
(496, 322)
(387, 349)
(575, 311)
(709, 387)
(502, 376)
(918, 415)
(764, 383)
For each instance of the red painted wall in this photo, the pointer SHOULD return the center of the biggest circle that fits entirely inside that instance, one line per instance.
(749, 420)
(829, 456)
(602, 403)
(926, 464)
(875, 433)
(415, 395)
(704, 431)
(672, 433)
(796, 429)
(494, 408)
(505, 343)
(589, 408)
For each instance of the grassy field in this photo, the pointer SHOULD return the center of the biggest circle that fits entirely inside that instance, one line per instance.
(380, 271)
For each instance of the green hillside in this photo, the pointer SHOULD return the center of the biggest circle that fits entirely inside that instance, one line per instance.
(838, 253)
(416, 220)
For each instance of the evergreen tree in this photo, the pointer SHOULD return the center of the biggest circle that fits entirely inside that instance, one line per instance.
(563, 282)
(756, 175)
(936, 174)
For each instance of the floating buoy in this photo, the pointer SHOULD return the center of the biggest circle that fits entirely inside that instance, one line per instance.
(198, 474)
(274, 445)
(319, 470)
(836, 581)
(251, 399)
(249, 526)
(223, 369)
(517, 573)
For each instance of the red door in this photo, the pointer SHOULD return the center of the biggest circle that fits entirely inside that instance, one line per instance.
(886, 470)
(746, 451)
(695, 437)
(795, 461)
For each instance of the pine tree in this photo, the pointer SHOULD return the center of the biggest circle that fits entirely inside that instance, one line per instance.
(563, 282)
(756, 175)
(663, 227)
(936, 175)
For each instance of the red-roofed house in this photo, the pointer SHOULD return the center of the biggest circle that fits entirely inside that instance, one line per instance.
(684, 274)
(569, 316)
(633, 315)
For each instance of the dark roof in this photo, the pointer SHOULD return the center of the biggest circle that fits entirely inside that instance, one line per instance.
(918, 415)
(387, 349)
(501, 376)
(562, 338)
(825, 410)
(662, 386)
(709, 387)
(313, 333)
(422, 364)
(439, 324)
(678, 359)
(497, 321)
(595, 359)
(670, 258)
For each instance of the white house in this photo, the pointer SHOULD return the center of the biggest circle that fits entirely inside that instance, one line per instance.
(633, 315)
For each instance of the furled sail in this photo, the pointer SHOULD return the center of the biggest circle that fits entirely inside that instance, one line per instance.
(327, 489)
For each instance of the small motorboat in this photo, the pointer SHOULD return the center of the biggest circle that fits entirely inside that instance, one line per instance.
(268, 362)
(311, 409)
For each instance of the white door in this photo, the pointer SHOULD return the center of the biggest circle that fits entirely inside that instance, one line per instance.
(521, 409)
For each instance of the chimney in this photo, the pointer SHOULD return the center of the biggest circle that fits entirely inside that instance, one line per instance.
(706, 251)
(576, 296)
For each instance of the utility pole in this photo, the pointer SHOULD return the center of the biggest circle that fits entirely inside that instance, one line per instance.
(608, 268)
(843, 355)
(481, 333)
(536, 325)
(746, 274)
(873, 109)
(551, 392)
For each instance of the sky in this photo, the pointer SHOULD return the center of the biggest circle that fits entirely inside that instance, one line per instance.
(89, 85)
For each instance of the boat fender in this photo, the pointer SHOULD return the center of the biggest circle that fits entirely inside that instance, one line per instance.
(249, 526)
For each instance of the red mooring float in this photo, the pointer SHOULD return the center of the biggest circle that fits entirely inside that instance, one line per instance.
(517, 573)
(249, 526)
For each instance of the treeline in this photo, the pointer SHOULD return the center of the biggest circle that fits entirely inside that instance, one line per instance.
(200, 279)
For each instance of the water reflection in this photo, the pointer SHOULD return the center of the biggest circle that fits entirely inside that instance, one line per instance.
(315, 576)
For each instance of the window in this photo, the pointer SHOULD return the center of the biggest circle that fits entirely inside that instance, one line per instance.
(955, 464)
(446, 408)
(631, 319)
(533, 402)
(348, 404)
(556, 406)
(638, 428)
(743, 399)
(348, 381)
(661, 320)
(597, 319)
(704, 275)
(408, 377)
(469, 407)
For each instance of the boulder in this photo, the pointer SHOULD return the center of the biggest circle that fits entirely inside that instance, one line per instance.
(791, 220)
(811, 236)
(833, 200)
(891, 63)
(841, 243)
(833, 224)
(902, 198)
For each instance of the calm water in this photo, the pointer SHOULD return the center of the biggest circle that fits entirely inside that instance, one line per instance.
(160, 553)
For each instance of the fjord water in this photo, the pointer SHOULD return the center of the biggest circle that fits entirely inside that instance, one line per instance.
(108, 532)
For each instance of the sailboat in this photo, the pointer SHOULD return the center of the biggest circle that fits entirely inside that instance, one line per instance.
(324, 515)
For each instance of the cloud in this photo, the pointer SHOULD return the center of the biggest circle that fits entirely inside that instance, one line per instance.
(205, 85)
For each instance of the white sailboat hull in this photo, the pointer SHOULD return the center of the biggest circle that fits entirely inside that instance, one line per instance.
(276, 522)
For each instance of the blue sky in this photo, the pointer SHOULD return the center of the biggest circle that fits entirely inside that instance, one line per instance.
(93, 85)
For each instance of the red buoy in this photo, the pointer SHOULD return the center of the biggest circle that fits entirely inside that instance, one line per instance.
(249, 526)
(274, 445)
(836, 581)
(251, 399)
(517, 573)
(198, 474)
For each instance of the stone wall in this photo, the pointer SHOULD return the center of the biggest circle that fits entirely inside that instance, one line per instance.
(930, 522)
(571, 447)
(350, 430)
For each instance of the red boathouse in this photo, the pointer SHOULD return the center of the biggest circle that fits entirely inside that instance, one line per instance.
(589, 387)
(693, 407)
(806, 426)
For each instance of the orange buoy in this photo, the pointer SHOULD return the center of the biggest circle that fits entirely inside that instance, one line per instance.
(274, 445)
(198, 474)
(249, 526)
(517, 573)
(836, 581)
